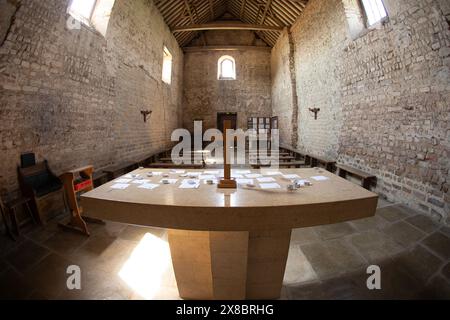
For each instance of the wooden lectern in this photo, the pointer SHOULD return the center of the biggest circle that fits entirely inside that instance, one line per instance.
(75, 182)
(227, 182)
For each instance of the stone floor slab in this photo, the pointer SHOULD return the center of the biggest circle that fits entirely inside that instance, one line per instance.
(404, 233)
(332, 258)
(392, 213)
(424, 223)
(137, 233)
(334, 231)
(13, 286)
(304, 235)
(419, 263)
(298, 268)
(374, 246)
(439, 243)
(26, 255)
(371, 223)
(446, 271)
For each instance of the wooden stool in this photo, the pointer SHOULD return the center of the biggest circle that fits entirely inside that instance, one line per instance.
(9, 212)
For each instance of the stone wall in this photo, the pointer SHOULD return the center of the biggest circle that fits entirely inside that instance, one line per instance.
(75, 97)
(282, 88)
(384, 96)
(249, 95)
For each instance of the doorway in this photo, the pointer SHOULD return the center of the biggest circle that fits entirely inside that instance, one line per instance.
(222, 116)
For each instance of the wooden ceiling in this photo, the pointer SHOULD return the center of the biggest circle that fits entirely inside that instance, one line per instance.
(265, 17)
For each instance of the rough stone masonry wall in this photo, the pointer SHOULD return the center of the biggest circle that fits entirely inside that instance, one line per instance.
(205, 96)
(384, 97)
(74, 97)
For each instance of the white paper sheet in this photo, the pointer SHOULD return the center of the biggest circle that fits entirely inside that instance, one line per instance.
(207, 177)
(148, 186)
(253, 175)
(119, 181)
(237, 176)
(266, 179)
(178, 171)
(303, 182)
(213, 172)
(244, 181)
(291, 176)
(120, 186)
(242, 171)
(186, 185)
(270, 186)
(143, 181)
(320, 178)
(171, 181)
(194, 174)
(156, 173)
(272, 173)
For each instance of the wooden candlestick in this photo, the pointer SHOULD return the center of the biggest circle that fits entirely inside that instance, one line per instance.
(227, 182)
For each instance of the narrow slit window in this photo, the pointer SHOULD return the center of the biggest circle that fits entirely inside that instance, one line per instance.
(227, 68)
(167, 66)
(375, 11)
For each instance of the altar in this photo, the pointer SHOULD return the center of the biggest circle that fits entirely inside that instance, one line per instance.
(229, 243)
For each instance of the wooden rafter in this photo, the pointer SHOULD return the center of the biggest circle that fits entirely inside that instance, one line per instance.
(188, 8)
(266, 10)
(242, 11)
(226, 26)
(279, 13)
(211, 9)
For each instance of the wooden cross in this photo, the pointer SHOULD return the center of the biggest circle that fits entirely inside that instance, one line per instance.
(227, 182)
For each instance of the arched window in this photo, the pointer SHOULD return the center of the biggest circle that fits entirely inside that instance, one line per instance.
(226, 68)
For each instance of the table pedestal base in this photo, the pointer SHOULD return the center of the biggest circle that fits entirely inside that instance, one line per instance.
(229, 265)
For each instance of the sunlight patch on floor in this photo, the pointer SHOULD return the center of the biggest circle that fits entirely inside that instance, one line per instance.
(146, 266)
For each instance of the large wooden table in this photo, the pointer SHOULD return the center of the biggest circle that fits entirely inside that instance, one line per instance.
(231, 244)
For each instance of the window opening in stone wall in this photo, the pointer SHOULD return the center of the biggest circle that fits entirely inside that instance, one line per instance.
(374, 10)
(167, 66)
(92, 13)
(226, 68)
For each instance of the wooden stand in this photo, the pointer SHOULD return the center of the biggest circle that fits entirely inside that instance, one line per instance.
(227, 182)
(73, 187)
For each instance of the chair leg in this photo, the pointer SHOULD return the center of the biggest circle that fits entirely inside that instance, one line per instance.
(27, 205)
(15, 223)
(7, 227)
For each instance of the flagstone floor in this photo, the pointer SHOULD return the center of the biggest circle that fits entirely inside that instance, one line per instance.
(328, 262)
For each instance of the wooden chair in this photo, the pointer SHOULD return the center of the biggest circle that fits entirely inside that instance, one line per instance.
(9, 215)
(44, 189)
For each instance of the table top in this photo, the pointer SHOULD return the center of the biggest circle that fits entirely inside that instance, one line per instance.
(329, 201)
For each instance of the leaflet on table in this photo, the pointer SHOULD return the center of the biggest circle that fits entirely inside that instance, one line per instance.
(320, 178)
(266, 179)
(120, 186)
(270, 186)
(149, 186)
(190, 184)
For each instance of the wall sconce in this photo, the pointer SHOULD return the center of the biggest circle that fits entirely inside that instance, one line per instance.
(146, 113)
(315, 111)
